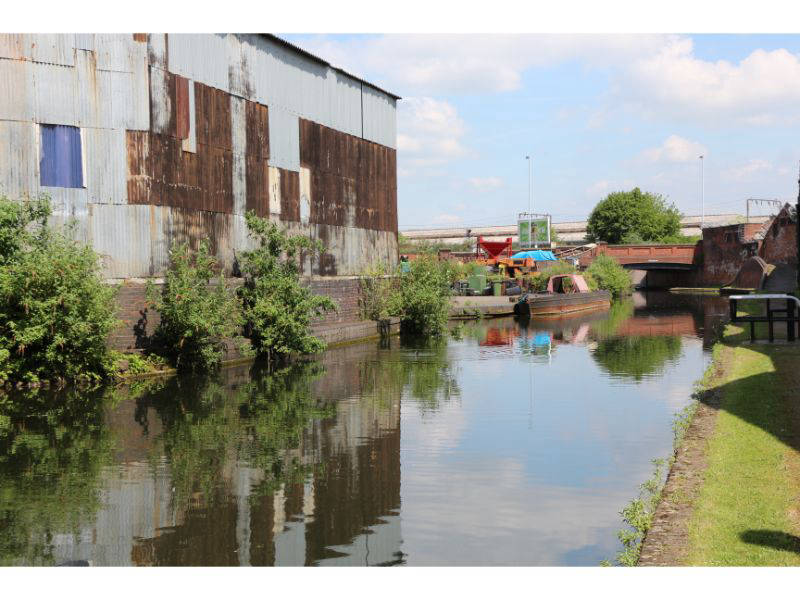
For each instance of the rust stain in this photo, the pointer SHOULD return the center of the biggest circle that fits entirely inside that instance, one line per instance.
(257, 155)
(353, 181)
(182, 107)
(161, 174)
(290, 195)
(141, 37)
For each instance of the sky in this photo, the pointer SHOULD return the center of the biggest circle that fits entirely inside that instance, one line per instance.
(596, 112)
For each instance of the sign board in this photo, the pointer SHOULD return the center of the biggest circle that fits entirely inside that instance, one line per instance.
(533, 229)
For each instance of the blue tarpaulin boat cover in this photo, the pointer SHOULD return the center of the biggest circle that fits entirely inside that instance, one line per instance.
(536, 255)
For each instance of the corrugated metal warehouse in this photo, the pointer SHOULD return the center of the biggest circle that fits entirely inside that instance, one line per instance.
(149, 139)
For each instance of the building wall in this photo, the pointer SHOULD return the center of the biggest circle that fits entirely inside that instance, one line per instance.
(182, 134)
(725, 249)
(780, 239)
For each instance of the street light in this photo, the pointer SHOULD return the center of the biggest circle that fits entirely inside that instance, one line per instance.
(702, 197)
(530, 184)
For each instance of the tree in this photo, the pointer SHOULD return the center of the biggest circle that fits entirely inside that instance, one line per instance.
(633, 217)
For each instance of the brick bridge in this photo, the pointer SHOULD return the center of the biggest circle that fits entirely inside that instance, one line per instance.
(680, 257)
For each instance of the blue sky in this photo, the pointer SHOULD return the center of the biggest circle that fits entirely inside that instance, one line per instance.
(598, 113)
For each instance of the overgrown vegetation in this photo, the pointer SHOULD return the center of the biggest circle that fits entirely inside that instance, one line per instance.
(55, 310)
(539, 279)
(196, 317)
(633, 217)
(277, 309)
(608, 274)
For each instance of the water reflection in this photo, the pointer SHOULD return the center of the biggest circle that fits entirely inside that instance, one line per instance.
(517, 443)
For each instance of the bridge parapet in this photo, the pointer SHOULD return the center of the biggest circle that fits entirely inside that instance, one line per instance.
(643, 254)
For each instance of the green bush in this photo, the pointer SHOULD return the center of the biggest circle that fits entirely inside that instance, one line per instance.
(422, 300)
(377, 293)
(196, 317)
(609, 275)
(55, 310)
(277, 308)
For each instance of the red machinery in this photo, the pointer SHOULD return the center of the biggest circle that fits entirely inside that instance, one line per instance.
(495, 251)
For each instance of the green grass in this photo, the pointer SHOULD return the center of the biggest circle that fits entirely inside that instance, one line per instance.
(743, 513)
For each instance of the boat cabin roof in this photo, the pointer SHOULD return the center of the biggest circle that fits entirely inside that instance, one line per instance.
(556, 284)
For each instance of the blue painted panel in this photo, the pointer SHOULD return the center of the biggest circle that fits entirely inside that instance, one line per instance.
(60, 163)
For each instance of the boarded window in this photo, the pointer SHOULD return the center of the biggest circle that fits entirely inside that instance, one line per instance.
(60, 163)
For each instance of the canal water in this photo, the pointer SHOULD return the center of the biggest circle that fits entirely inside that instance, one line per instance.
(508, 444)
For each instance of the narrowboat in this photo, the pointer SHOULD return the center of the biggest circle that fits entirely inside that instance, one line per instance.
(566, 294)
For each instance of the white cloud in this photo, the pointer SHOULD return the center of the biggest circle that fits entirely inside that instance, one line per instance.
(762, 88)
(471, 63)
(598, 188)
(485, 184)
(430, 133)
(675, 149)
(749, 170)
(656, 74)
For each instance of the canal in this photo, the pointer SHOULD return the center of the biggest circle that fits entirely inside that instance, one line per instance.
(508, 444)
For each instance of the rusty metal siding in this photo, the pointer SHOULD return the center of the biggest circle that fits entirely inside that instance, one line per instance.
(290, 195)
(353, 181)
(257, 156)
(182, 107)
(161, 173)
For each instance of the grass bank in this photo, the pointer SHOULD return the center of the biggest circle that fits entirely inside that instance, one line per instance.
(736, 498)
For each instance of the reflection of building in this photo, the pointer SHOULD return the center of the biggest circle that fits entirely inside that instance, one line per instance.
(346, 511)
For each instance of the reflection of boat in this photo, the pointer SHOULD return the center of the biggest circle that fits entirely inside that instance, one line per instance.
(565, 294)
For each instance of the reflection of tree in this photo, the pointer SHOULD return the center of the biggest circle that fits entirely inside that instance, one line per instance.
(635, 357)
(621, 311)
(208, 427)
(53, 446)
(423, 370)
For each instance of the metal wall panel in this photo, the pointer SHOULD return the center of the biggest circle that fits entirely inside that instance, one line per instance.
(157, 50)
(160, 101)
(84, 41)
(380, 122)
(91, 108)
(19, 147)
(345, 103)
(55, 90)
(201, 57)
(284, 139)
(53, 48)
(106, 167)
(239, 147)
(16, 90)
(115, 51)
(16, 45)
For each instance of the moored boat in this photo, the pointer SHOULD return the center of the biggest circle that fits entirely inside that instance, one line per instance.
(565, 294)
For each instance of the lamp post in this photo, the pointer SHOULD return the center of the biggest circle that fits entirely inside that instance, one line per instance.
(530, 184)
(702, 197)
